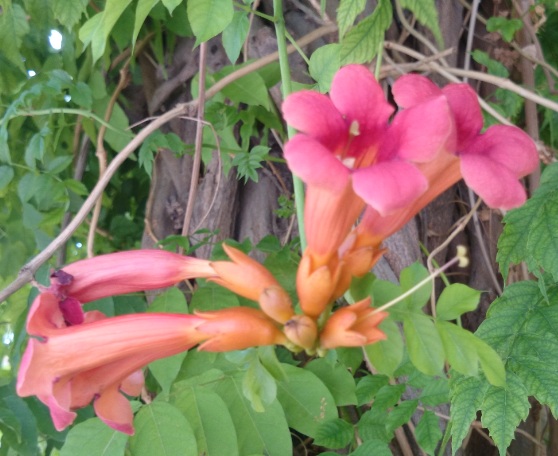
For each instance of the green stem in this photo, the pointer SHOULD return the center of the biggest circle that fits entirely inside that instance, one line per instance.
(281, 31)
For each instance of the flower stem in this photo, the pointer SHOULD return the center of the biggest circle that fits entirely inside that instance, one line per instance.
(281, 31)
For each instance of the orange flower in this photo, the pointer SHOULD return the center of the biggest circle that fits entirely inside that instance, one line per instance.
(237, 328)
(67, 367)
(243, 275)
(302, 331)
(353, 326)
(125, 272)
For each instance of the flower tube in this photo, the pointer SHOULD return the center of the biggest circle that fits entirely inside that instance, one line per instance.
(67, 367)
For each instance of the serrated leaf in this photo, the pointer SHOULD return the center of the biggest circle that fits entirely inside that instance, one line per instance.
(401, 414)
(373, 446)
(542, 243)
(324, 63)
(94, 438)
(467, 396)
(235, 34)
(424, 344)
(503, 409)
(506, 27)
(337, 379)
(426, 13)
(306, 400)
(362, 42)
(386, 355)
(335, 433)
(435, 392)
(211, 296)
(387, 396)
(208, 18)
(492, 365)
(347, 12)
(210, 419)
(459, 347)
(372, 426)
(68, 13)
(13, 27)
(494, 67)
(428, 432)
(162, 429)
(249, 89)
(455, 300)
(368, 386)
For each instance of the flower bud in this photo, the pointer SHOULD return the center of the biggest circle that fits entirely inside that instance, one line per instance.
(314, 287)
(276, 303)
(302, 331)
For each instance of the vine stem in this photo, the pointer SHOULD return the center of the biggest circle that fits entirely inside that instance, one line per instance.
(281, 33)
(26, 273)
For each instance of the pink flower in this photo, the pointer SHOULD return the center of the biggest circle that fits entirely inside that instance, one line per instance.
(120, 273)
(491, 163)
(68, 367)
(347, 136)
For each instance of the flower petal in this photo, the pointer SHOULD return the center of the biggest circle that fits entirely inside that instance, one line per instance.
(508, 146)
(421, 132)
(315, 115)
(412, 89)
(358, 96)
(315, 164)
(389, 186)
(115, 410)
(494, 183)
(466, 110)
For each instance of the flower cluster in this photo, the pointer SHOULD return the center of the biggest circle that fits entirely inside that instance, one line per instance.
(359, 160)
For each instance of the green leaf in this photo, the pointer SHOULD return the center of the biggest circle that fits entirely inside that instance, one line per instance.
(386, 355)
(459, 346)
(94, 438)
(235, 34)
(424, 344)
(435, 392)
(35, 150)
(324, 63)
(59, 164)
(258, 433)
(162, 429)
(542, 243)
(368, 386)
(171, 5)
(249, 89)
(171, 301)
(339, 381)
(428, 432)
(388, 396)
(97, 29)
(506, 27)
(6, 176)
(306, 400)
(362, 42)
(372, 426)
(142, 11)
(503, 409)
(211, 296)
(208, 18)
(467, 395)
(426, 13)
(259, 386)
(210, 419)
(455, 300)
(81, 95)
(410, 277)
(335, 433)
(494, 67)
(401, 414)
(491, 363)
(13, 27)
(68, 13)
(347, 12)
(373, 447)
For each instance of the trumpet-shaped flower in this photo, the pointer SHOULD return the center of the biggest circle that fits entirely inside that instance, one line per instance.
(67, 367)
(237, 328)
(491, 163)
(353, 326)
(125, 272)
(243, 275)
(350, 155)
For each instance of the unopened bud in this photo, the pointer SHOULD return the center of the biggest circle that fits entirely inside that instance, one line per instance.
(276, 303)
(302, 330)
(462, 256)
